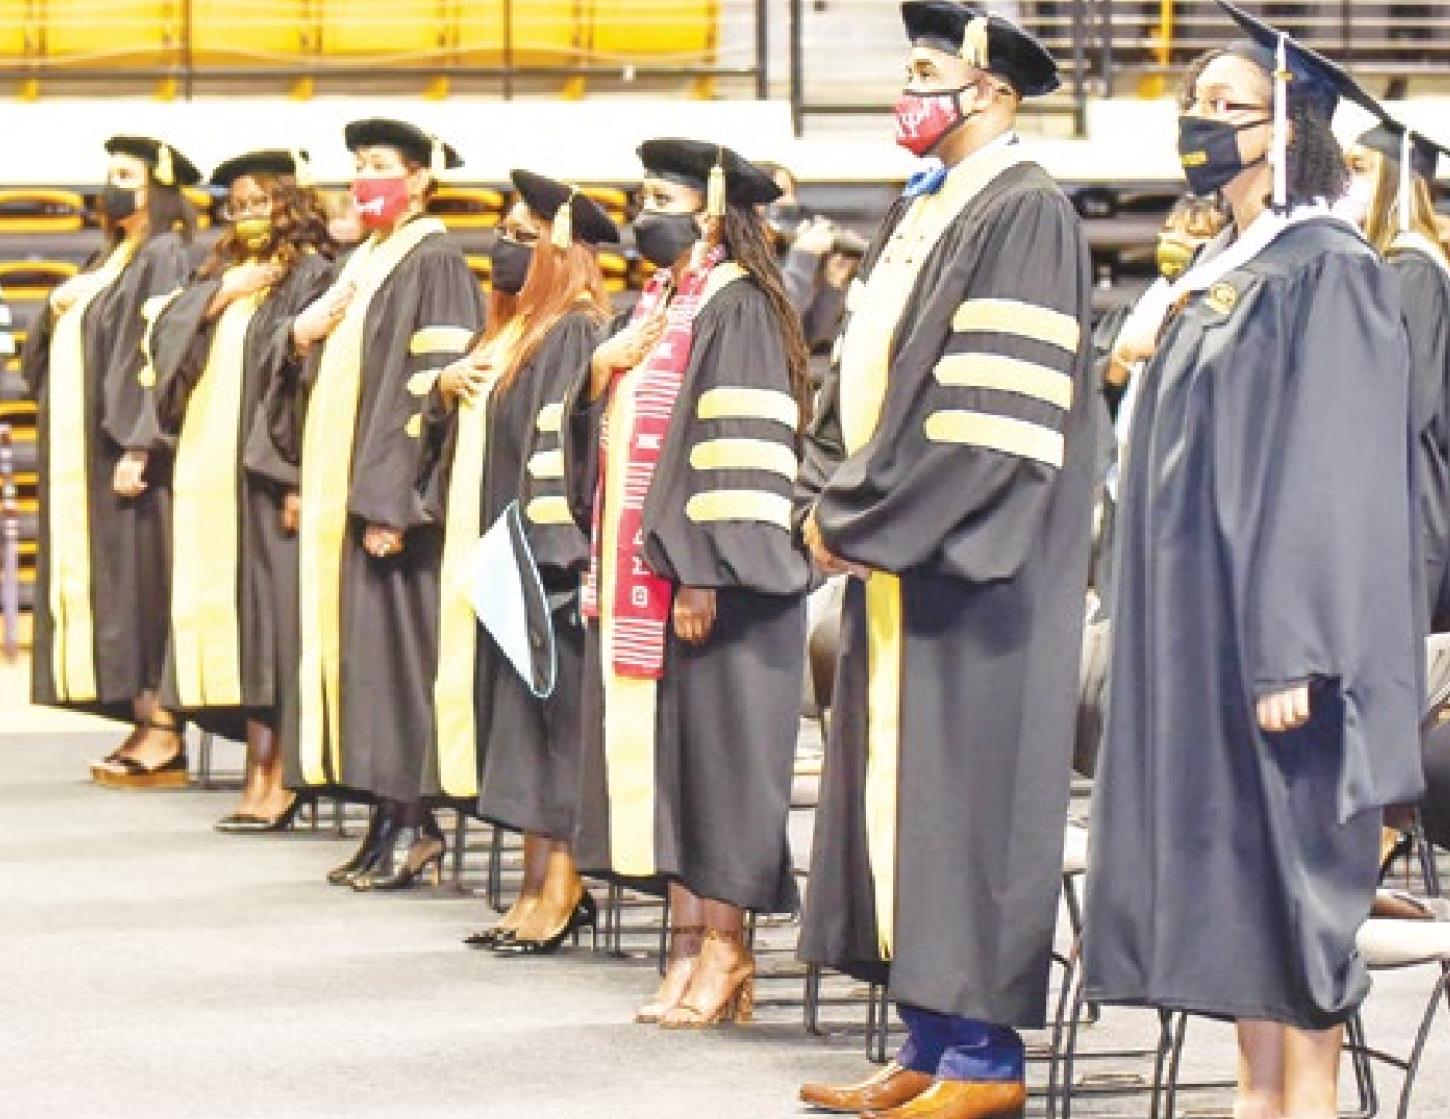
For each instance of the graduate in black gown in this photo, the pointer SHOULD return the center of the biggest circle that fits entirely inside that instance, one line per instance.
(682, 440)
(101, 575)
(214, 350)
(403, 305)
(950, 472)
(551, 304)
(1391, 200)
(1267, 650)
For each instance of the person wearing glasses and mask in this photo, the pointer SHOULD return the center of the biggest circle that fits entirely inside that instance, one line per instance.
(547, 312)
(950, 473)
(102, 570)
(403, 306)
(681, 447)
(1267, 649)
(215, 350)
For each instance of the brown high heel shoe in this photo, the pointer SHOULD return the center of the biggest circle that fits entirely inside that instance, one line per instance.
(675, 983)
(724, 953)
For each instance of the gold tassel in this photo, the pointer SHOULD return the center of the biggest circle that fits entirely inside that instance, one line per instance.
(715, 195)
(438, 161)
(165, 172)
(975, 44)
(563, 232)
(302, 170)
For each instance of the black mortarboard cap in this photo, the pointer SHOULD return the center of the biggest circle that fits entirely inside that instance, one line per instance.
(1387, 138)
(986, 41)
(1312, 77)
(168, 166)
(546, 197)
(272, 161)
(691, 161)
(421, 147)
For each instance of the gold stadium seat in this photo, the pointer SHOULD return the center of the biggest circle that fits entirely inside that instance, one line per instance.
(41, 210)
(481, 266)
(544, 33)
(615, 267)
(17, 413)
(681, 30)
(12, 363)
(464, 207)
(33, 279)
(257, 32)
(104, 32)
(401, 31)
(203, 203)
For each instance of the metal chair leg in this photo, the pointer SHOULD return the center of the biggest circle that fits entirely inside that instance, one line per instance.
(203, 765)
(495, 870)
(1412, 1067)
(1362, 1065)
(1175, 1065)
(1065, 1002)
(811, 1000)
(460, 844)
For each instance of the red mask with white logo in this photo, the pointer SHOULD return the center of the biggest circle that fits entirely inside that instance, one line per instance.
(381, 201)
(924, 120)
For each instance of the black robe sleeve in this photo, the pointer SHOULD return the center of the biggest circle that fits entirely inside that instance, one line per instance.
(560, 548)
(274, 439)
(1425, 295)
(580, 436)
(397, 448)
(718, 511)
(161, 266)
(177, 346)
(1313, 472)
(957, 477)
(35, 355)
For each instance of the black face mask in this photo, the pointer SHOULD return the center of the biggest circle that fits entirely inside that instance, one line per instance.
(118, 203)
(1209, 152)
(511, 263)
(663, 238)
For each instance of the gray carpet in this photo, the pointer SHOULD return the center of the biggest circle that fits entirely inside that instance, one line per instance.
(150, 967)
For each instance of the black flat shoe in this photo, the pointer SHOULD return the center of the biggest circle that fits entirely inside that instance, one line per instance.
(585, 916)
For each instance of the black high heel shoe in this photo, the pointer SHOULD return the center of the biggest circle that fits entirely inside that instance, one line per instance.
(244, 823)
(585, 916)
(489, 938)
(382, 831)
(424, 857)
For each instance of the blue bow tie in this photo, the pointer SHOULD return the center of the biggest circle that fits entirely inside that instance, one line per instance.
(928, 181)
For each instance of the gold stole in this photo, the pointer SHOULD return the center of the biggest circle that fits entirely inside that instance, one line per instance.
(876, 307)
(68, 541)
(456, 712)
(205, 561)
(327, 444)
(630, 703)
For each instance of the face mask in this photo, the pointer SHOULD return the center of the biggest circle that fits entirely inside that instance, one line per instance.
(664, 238)
(118, 203)
(924, 120)
(510, 265)
(1354, 206)
(1209, 152)
(1174, 257)
(255, 234)
(381, 201)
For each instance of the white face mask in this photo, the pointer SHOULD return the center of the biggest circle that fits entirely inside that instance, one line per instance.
(1354, 206)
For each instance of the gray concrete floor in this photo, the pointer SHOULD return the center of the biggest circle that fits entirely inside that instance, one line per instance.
(151, 967)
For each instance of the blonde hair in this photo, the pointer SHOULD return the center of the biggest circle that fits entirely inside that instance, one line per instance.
(1382, 223)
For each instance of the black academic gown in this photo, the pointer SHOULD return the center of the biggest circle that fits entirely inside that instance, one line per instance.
(1424, 287)
(1266, 537)
(264, 558)
(422, 316)
(123, 540)
(728, 710)
(530, 754)
(958, 683)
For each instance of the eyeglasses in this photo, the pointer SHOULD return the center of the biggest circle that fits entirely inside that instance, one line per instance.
(1221, 107)
(252, 208)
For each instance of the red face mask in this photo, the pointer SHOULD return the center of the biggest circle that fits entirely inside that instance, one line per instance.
(381, 201)
(923, 120)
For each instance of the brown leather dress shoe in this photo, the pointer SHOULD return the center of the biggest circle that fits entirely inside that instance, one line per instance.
(890, 1087)
(962, 1099)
